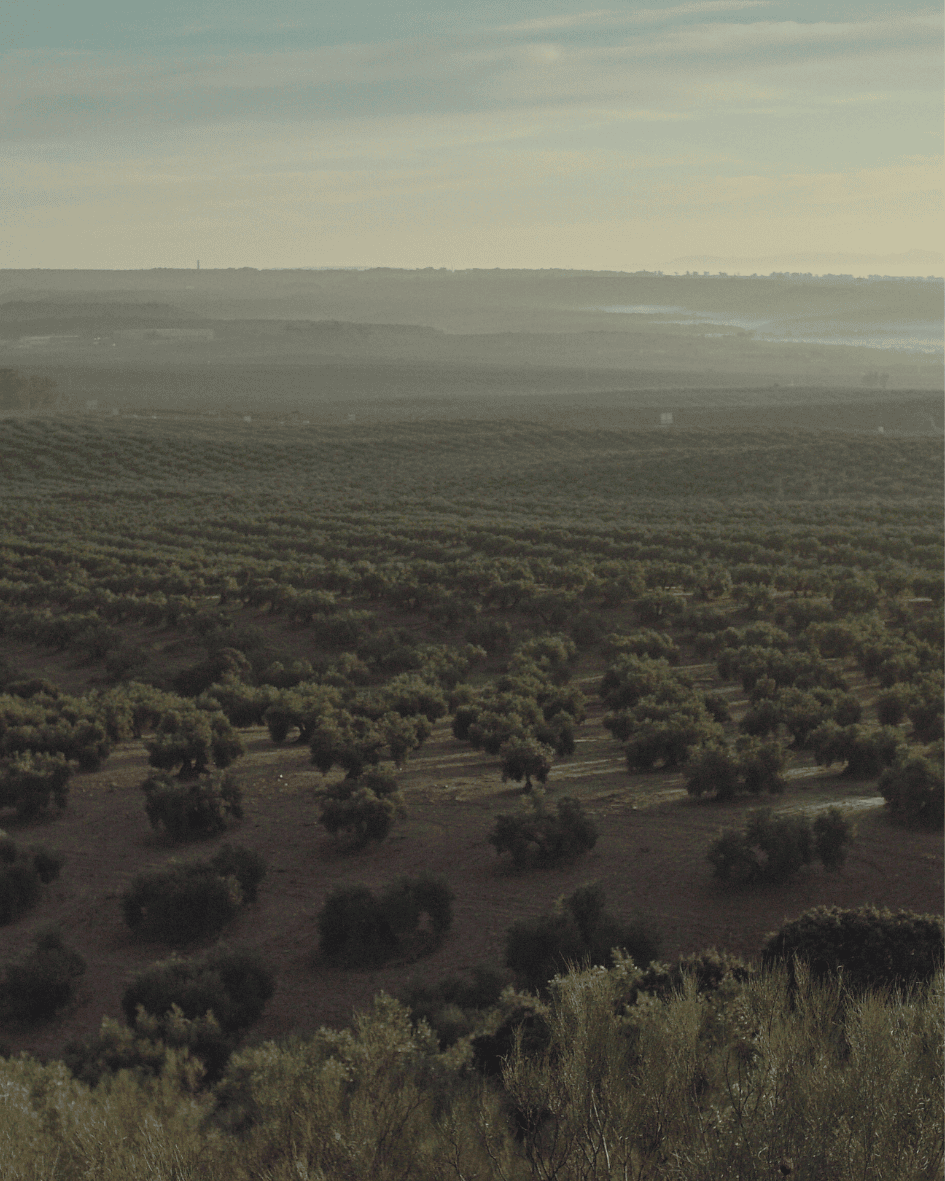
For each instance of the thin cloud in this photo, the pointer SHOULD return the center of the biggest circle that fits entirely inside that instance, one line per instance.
(613, 18)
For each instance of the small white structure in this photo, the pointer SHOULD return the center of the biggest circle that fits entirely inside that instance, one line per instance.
(666, 420)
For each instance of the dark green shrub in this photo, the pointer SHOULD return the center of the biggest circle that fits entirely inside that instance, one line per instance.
(866, 752)
(761, 764)
(361, 815)
(409, 900)
(28, 779)
(755, 765)
(22, 872)
(717, 707)
(926, 715)
(891, 706)
(248, 867)
(832, 833)
(453, 1007)
(710, 970)
(190, 739)
(713, 769)
(914, 790)
(536, 949)
(359, 929)
(199, 808)
(761, 719)
(580, 931)
(872, 947)
(181, 903)
(232, 983)
(36, 986)
(773, 848)
(538, 837)
(353, 928)
(526, 758)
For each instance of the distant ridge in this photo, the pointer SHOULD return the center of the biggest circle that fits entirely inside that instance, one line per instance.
(916, 261)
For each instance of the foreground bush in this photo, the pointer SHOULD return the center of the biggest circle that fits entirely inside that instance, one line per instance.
(871, 947)
(362, 809)
(36, 986)
(733, 1083)
(187, 1051)
(22, 873)
(579, 931)
(539, 837)
(773, 848)
(199, 808)
(358, 929)
(187, 902)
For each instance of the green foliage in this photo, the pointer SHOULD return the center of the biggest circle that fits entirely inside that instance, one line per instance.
(753, 766)
(715, 770)
(771, 849)
(189, 1052)
(652, 644)
(538, 837)
(191, 901)
(353, 929)
(189, 739)
(29, 779)
(866, 752)
(22, 873)
(832, 833)
(526, 758)
(579, 931)
(914, 789)
(34, 987)
(231, 983)
(454, 1006)
(358, 929)
(245, 865)
(359, 812)
(872, 946)
(194, 809)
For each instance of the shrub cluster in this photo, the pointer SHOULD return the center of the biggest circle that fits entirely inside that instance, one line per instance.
(22, 872)
(864, 751)
(537, 836)
(358, 929)
(28, 779)
(194, 809)
(753, 765)
(194, 1007)
(579, 931)
(656, 713)
(186, 902)
(529, 714)
(362, 809)
(454, 1006)
(773, 848)
(34, 987)
(871, 946)
(914, 789)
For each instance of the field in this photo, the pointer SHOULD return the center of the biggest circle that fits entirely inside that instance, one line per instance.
(136, 547)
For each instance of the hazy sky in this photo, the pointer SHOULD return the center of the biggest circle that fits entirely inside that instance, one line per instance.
(520, 133)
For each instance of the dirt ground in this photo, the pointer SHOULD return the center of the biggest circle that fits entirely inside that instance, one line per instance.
(650, 857)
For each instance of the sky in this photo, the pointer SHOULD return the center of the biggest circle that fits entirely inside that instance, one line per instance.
(520, 133)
